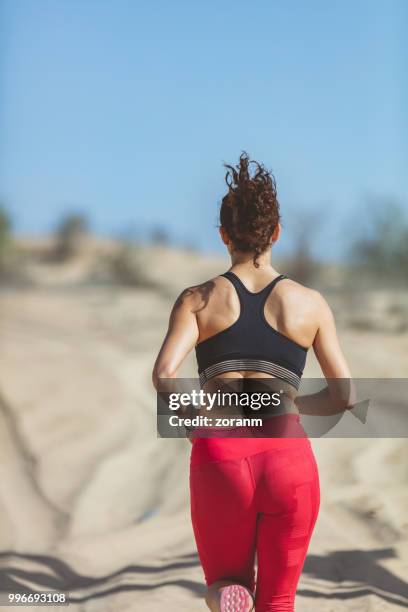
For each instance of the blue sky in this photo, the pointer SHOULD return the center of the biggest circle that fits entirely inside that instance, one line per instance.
(127, 109)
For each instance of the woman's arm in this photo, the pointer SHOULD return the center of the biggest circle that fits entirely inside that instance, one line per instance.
(326, 344)
(339, 394)
(181, 337)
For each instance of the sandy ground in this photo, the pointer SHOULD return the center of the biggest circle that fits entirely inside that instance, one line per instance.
(93, 503)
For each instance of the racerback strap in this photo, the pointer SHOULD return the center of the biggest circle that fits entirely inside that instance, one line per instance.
(252, 303)
(240, 287)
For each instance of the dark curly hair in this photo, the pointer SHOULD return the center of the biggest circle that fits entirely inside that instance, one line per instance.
(250, 210)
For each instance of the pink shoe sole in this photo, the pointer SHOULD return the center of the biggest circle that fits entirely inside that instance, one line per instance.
(235, 598)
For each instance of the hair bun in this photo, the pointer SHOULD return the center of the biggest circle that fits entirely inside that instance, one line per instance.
(250, 210)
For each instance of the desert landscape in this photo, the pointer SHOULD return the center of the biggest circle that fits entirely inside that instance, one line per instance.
(94, 504)
(133, 134)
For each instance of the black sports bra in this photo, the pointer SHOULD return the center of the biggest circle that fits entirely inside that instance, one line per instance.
(251, 344)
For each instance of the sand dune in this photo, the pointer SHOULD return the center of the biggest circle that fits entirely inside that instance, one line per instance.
(93, 503)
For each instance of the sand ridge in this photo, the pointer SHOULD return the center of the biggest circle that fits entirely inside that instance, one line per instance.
(92, 502)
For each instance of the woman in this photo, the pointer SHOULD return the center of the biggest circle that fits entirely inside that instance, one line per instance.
(252, 497)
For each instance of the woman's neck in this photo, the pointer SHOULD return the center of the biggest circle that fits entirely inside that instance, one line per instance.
(246, 260)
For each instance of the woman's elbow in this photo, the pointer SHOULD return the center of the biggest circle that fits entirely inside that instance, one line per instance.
(162, 371)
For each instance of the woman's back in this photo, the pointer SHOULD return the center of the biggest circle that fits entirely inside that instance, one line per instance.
(290, 308)
(253, 328)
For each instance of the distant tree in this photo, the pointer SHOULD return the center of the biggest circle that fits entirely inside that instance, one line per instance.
(302, 265)
(70, 234)
(128, 266)
(159, 236)
(5, 237)
(383, 251)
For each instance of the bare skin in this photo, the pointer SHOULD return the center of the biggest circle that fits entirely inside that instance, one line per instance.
(299, 313)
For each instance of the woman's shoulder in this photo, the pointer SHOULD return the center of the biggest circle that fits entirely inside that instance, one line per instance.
(293, 290)
(301, 302)
(196, 297)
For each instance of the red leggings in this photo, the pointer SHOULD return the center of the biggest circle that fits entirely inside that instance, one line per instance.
(262, 504)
